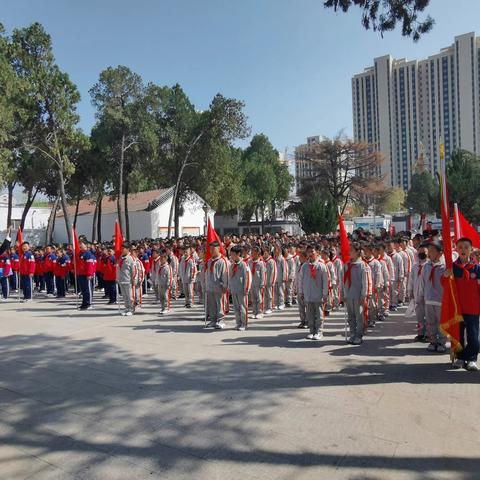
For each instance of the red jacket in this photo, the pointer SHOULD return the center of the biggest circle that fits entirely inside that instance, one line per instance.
(39, 265)
(49, 262)
(5, 264)
(15, 262)
(86, 264)
(467, 280)
(62, 266)
(27, 263)
(109, 269)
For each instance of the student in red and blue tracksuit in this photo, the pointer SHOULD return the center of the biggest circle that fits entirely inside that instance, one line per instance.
(15, 262)
(85, 272)
(466, 272)
(145, 259)
(38, 277)
(5, 272)
(110, 276)
(27, 270)
(48, 269)
(61, 270)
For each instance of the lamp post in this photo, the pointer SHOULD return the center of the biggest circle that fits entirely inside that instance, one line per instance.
(205, 210)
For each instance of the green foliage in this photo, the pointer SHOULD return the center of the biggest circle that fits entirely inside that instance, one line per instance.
(395, 200)
(463, 179)
(384, 15)
(317, 213)
(423, 194)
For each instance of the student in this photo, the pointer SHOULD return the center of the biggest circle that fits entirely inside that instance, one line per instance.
(154, 269)
(110, 276)
(38, 277)
(164, 282)
(431, 289)
(313, 290)
(396, 277)
(145, 259)
(140, 276)
(290, 261)
(376, 277)
(356, 293)
(332, 280)
(173, 262)
(27, 270)
(48, 269)
(200, 279)
(127, 275)
(302, 258)
(387, 269)
(188, 275)
(239, 286)
(270, 280)
(467, 275)
(216, 285)
(281, 278)
(15, 262)
(5, 272)
(85, 263)
(257, 292)
(338, 288)
(61, 267)
(415, 289)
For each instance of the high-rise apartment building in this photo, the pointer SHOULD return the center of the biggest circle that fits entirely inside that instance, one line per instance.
(404, 107)
(304, 166)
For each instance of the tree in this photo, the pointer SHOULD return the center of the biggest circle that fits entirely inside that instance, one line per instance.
(384, 15)
(346, 169)
(317, 213)
(463, 179)
(266, 180)
(422, 197)
(116, 96)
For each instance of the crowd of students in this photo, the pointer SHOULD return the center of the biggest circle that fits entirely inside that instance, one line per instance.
(253, 275)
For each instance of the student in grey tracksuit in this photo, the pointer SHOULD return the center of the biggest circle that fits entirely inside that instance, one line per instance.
(376, 277)
(154, 274)
(173, 261)
(282, 277)
(384, 292)
(356, 292)
(259, 275)
(313, 289)
(216, 285)
(188, 274)
(201, 277)
(270, 279)
(302, 258)
(397, 276)
(126, 278)
(415, 289)
(290, 260)
(239, 285)
(164, 282)
(431, 289)
(338, 288)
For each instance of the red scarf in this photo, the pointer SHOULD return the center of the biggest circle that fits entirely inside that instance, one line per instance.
(313, 272)
(212, 263)
(254, 266)
(432, 273)
(234, 269)
(420, 268)
(348, 274)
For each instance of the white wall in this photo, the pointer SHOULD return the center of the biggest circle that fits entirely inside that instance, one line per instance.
(37, 217)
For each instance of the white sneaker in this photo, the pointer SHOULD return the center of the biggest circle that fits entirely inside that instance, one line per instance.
(281, 307)
(220, 325)
(260, 315)
(472, 366)
(254, 316)
(317, 336)
(310, 336)
(268, 312)
(241, 329)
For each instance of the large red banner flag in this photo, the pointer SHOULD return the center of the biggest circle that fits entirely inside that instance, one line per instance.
(212, 236)
(462, 228)
(344, 242)
(118, 241)
(450, 317)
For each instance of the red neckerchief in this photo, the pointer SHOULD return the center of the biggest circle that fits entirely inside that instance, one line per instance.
(313, 272)
(246, 260)
(348, 274)
(254, 266)
(190, 257)
(420, 268)
(234, 269)
(212, 263)
(432, 273)
(466, 268)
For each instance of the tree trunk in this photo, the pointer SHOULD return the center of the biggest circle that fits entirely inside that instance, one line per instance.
(94, 223)
(63, 198)
(127, 219)
(10, 187)
(51, 221)
(263, 218)
(99, 217)
(77, 206)
(30, 199)
(176, 220)
(120, 184)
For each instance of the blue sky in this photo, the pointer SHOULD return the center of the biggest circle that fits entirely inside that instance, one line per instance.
(291, 61)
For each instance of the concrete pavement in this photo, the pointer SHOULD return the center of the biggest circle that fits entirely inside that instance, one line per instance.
(93, 395)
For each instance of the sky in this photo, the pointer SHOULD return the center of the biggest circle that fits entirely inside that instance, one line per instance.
(290, 61)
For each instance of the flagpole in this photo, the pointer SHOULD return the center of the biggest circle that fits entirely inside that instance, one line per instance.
(456, 222)
(75, 267)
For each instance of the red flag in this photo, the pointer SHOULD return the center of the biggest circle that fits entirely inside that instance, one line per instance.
(76, 250)
(20, 241)
(344, 242)
(450, 317)
(118, 241)
(464, 229)
(212, 236)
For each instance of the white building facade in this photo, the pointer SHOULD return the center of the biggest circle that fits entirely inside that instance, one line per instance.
(403, 108)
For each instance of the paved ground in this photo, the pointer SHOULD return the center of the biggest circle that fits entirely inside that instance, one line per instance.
(92, 395)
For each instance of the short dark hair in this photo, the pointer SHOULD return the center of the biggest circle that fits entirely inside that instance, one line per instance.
(464, 239)
(127, 245)
(236, 249)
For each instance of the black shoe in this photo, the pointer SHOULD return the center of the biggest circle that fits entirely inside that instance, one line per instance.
(83, 307)
(105, 296)
(288, 305)
(110, 303)
(327, 313)
(188, 305)
(301, 325)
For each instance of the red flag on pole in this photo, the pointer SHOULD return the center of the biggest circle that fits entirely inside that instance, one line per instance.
(463, 228)
(344, 242)
(212, 236)
(450, 317)
(20, 241)
(118, 241)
